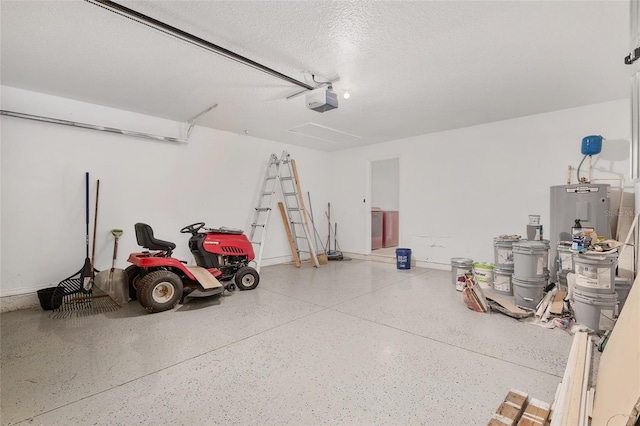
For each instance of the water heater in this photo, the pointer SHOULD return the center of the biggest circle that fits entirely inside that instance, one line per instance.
(587, 202)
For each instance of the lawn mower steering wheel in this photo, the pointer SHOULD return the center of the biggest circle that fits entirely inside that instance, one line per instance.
(192, 229)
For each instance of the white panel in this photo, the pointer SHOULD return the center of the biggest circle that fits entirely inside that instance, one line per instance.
(634, 32)
(635, 126)
(634, 42)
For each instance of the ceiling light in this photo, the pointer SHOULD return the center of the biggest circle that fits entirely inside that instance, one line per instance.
(346, 94)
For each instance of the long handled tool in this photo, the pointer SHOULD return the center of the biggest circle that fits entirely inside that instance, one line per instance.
(92, 301)
(114, 282)
(81, 280)
(322, 255)
(93, 243)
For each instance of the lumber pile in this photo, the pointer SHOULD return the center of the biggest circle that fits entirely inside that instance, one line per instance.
(617, 392)
(572, 404)
(615, 400)
(552, 305)
(516, 410)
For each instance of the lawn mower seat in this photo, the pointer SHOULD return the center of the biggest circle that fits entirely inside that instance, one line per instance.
(144, 236)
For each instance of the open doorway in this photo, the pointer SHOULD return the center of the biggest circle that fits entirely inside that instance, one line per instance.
(385, 207)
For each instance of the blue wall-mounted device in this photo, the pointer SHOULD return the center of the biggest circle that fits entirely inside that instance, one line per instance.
(591, 145)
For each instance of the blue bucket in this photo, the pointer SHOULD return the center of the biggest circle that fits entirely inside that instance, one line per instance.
(403, 258)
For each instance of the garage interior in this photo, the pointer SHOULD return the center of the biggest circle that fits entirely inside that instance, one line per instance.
(431, 128)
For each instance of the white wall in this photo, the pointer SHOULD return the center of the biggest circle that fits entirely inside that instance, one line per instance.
(214, 178)
(385, 183)
(458, 189)
(461, 188)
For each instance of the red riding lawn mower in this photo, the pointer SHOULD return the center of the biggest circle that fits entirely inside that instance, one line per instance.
(158, 281)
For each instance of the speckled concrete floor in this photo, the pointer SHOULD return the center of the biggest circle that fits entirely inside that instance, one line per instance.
(349, 343)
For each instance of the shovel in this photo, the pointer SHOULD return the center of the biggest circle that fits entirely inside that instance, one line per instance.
(114, 282)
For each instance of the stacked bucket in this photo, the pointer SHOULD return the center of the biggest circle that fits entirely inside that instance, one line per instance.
(530, 272)
(594, 295)
(503, 263)
(460, 266)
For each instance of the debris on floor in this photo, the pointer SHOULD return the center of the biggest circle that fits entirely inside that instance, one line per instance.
(473, 295)
(505, 306)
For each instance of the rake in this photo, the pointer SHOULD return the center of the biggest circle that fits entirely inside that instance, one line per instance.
(76, 295)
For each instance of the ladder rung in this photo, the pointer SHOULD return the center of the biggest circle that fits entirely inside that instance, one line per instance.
(293, 209)
(271, 177)
(297, 223)
(263, 209)
(286, 178)
(290, 193)
(257, 224)
(268, 193)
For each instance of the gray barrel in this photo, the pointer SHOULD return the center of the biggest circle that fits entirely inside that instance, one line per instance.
(623, 287)
(502, 280)
(529, 259)
(459, 267)
(595, 273)
(565, 256)
(596, 311)
(503, 249)
(528, 292)
(562, 281)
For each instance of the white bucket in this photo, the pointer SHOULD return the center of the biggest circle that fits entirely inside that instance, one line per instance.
(623, 287)
(529, 259)
(502, 280)
(595, 273)
(528, 292)
(503, 249)
(459, 267)
(565, 257)
(596, 311)
(483, 272)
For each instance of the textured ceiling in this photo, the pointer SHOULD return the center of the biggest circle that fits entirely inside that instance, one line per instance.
(411, 67)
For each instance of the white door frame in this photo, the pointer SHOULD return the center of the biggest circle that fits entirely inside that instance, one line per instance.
(367, 204)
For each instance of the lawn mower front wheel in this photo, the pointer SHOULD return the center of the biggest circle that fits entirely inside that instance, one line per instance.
(247, 278)
(159, 291)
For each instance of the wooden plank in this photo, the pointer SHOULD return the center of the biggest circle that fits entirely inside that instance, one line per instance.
(509, 412)
(557, 305)
(571, 412)
(618, 380)
(557, 408)
(507, 307)
(626, 259)
(292, 244)
(312, 250)
(536, 414)
(204, 277)
(585, 383)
